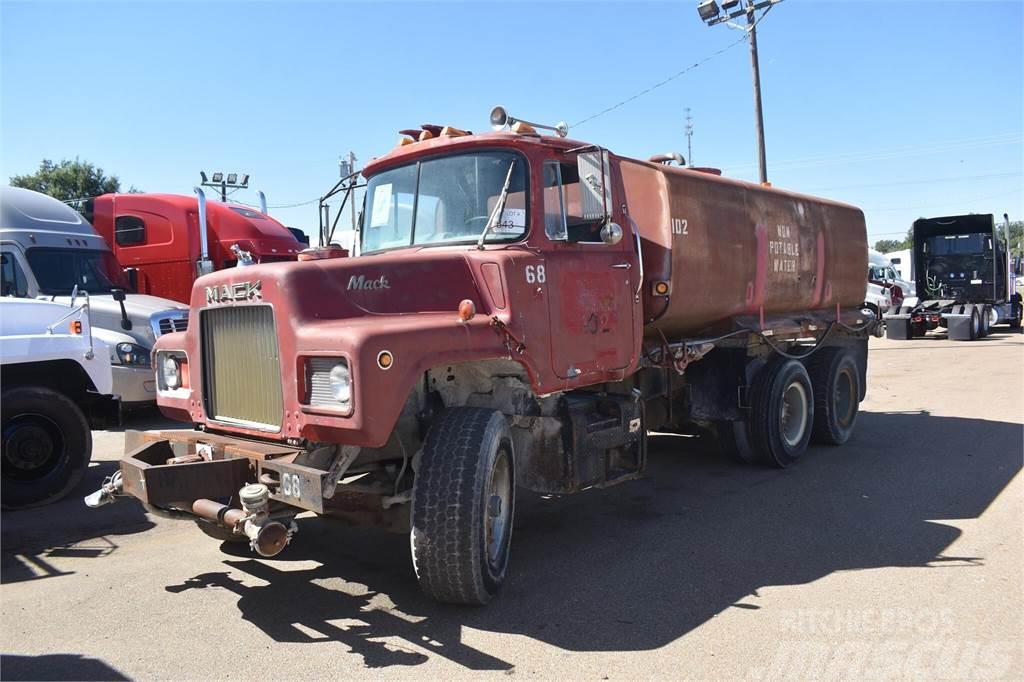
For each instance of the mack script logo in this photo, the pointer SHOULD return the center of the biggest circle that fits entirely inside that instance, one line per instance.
(360, 282)
(228, 293)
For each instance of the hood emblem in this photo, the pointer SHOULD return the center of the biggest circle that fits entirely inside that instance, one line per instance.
(359, 282)
(228, 293)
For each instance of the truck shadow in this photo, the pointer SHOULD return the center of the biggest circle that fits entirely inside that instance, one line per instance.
(57, 667)
(640, 565)
(33, 538)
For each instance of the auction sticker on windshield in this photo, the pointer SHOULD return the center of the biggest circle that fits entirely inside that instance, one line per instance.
(513, 221)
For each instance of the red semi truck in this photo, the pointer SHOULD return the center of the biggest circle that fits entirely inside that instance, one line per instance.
(158, 241)
(524, 309)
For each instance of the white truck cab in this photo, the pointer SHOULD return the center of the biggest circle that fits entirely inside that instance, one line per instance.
(47, 249)
(56, 384)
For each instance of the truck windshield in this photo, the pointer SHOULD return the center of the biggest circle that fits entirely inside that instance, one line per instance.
(959, 244)
(445, 200)
(58, 271)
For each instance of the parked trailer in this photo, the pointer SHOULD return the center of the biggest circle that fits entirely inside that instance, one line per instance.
(165, 241)
(523, 311)
(963, 279)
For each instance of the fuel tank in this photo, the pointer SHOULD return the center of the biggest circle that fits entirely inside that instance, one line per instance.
(715, 249)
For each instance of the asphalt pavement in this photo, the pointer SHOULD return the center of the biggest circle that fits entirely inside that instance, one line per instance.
(896, 556)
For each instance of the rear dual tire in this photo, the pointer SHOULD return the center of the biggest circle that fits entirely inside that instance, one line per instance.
(782, 412)
(837, 390)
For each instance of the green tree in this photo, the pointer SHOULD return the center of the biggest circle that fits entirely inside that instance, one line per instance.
(69, 180)
(888, 245)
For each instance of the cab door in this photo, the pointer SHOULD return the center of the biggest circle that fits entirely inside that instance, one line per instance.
(590, 280)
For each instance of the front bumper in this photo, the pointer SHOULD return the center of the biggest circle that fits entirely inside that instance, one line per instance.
(173, 469)
(134, 384)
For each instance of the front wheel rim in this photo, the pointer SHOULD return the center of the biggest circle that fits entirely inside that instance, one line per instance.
(498, 509)
(33, 444)
(793, 417)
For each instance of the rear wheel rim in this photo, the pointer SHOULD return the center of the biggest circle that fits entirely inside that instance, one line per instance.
(843, 398)
(793, 417)
(33, 445)
(498, 510)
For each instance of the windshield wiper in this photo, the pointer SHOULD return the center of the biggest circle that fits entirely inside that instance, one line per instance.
(499, 208)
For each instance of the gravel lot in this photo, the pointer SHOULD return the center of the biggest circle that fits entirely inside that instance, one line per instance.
(899, 555)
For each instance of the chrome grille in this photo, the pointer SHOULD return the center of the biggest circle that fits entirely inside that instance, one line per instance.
(241, 366)
(168, 325)
(167, 322)
(319, 373)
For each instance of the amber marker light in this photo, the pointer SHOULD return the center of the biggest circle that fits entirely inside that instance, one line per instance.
(75, 327)
(467, 310)
(661, 288)
(385, 360)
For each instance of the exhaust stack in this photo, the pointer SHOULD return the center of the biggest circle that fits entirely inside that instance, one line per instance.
(205, 265)
(263, 202)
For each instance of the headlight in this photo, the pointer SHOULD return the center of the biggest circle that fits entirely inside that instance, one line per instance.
(171, 371)
(341, 383)
(131, 354)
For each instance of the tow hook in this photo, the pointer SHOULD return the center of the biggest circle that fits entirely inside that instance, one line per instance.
(112, 487)
(266, 536)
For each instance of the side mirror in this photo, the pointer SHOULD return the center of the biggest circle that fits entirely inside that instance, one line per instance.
(595, 188)
(132, 274)
(611, 234)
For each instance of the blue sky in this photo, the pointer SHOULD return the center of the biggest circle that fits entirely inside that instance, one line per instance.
(903, 108)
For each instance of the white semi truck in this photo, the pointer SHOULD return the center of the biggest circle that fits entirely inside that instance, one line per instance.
(49, 250)
(56, 385)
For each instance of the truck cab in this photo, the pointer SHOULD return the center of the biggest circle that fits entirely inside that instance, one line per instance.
(158, 241)
(51, 252)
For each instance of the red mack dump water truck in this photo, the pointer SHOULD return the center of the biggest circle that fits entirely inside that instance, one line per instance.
(522, 312)
(158, 241)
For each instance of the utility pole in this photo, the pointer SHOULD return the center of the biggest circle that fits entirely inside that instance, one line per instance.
(352, 183)
(689, 137)
(711, 13)
(762, 159)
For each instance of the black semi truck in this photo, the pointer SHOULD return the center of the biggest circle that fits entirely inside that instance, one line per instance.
(963, 277)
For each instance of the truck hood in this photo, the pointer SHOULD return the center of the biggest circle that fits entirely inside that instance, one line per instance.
(406, 282)
(106, 314)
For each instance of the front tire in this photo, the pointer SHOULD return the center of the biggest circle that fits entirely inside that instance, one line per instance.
(836, 382)
(782, 411)
(46, 446)
(463, 506)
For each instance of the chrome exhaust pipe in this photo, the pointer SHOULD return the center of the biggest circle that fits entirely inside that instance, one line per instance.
(263, 202)
(205, 265)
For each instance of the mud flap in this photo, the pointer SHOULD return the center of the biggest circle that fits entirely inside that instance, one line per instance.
(897, 327)
(958, 324)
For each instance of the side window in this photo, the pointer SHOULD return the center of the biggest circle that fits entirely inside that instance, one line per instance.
(129, 231)
(563, 205)
(12, 279)
(554, 207)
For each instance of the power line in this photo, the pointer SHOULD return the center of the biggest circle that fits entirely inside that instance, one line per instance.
(952, 203)
(986, 176)
(668, 80)
(893, 153)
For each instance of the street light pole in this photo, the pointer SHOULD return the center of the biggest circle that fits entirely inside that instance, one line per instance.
(762, 157)
(711, 13)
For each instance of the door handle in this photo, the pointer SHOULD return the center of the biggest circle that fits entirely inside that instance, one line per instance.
(622, 266)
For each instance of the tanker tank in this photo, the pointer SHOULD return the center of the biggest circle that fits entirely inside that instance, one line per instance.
(727, 249)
